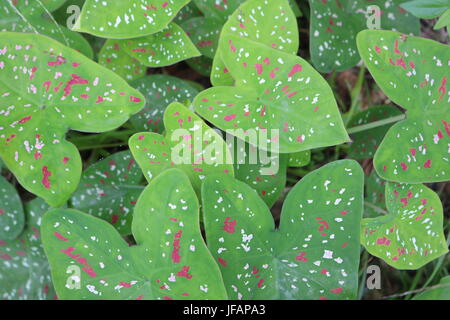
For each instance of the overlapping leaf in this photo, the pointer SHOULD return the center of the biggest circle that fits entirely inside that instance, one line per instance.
(24, 269)
(11, 212)
(170, 260)
(269, 22)
(189, 144)
(411, 234)
(159, 91)
(426, 9)
(299, 159)
(274, 91)
(109, 190)
(204, 33)
(413, 73)
(116, 59)
(366, 143)
(46, 89)
(334, 25)
(315, 252)
(127, 19)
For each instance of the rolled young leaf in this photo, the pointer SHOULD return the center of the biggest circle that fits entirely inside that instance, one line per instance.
(170, 260)
(315, 252)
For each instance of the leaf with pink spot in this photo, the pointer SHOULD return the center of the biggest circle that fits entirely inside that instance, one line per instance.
(273, 91)
(411, 234)
(109, 190)
(169, 262)
(45, 90)
(314, 254)
(189, 144)
(12, 218)
(413, 73)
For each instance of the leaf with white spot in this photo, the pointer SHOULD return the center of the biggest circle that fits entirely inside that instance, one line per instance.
(411, 234)
(45, 90)
(299, 159)
(127, 19)
(413, 73)
(35, 7)
(334, 25)
(187, 12)
(218, 9)
(315, 252)
(170, 260)
(24, 269)
(277, 94)
(159, 91)
(113, 57)
(109, 190)
(268, 22)
(204, 33)
(189, 144)
(164, 48)
(12, 218)
(365, 143)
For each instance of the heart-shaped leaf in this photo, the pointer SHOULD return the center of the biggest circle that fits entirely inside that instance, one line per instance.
(30, 19)
(159, 91)
(440, 292)
(366, 143)
(113, 57)
(269, 22)
(375, 201)
(189, 144)
(411, 234)
(127, 19)
(109, 190)
(46, 89)
(299, 159)
(274, 91)
(24, 269)
(334, 25)
(170, 260)
(262, 171)
(161, 49)
(315, 252)
(413, 73)
(426, 9)
(12, 217)
(204, 33)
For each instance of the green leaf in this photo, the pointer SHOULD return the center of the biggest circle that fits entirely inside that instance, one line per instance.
(334, 25)
(170, 260)
(159, 91)
(269, 22)
(24, 269)
(218, 9)
(413, 73)
(411, 234)
(444, 20)
(440, 292)
(274, 91)
(299, 159)
(113, 57)
(57, 89)
(12, 218)
(426, 9)
(35, 7)
(187, 12)
(315, 252)
(204, 33)
(366, 143)
(189, 144)
(109, 190)
(202, 64)
(169, 46)
(262, 171)
(127, 19)
(375, 202)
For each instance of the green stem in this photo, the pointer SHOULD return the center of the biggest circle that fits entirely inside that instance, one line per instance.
(112, 145)
(356, 95)
(376, 208)
(376, 124)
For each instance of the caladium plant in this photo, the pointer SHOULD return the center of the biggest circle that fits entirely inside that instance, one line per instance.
(260, 262)
(12, 218)
(411, 234)
(109, 190)
(189, 144)
(414, 150)
(46, 89)
(170, 260)
(334, 25)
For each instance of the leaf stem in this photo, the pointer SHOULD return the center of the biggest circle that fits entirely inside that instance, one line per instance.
(376, 208)
(376, 124)
(355, 94)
